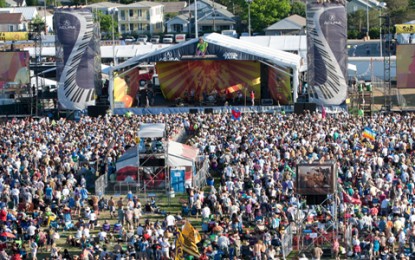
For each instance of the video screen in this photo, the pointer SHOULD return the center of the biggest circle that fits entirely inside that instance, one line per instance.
(279, 85)
(405, 66)
(315, 179)
(14, 69)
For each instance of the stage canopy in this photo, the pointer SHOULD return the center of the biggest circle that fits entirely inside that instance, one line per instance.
(181, 154)
(152, 130)
(221, 47)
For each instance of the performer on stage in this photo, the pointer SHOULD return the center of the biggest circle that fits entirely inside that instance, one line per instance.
(201, 47)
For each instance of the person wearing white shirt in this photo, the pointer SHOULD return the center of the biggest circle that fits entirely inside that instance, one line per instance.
(206, 212)
(171, 220)
(165, 248)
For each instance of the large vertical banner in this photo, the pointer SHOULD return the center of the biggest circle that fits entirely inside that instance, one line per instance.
(405, 66)
(327, 51)
(78, 65)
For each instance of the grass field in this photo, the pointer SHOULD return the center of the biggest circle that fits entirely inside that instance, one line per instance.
(173, 207)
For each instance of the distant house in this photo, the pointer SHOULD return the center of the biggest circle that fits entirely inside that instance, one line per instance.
(355, 5)
(11, 22)
(141, 17)
(105, 7)
(292, 25)
(174, 7)
(211, 16)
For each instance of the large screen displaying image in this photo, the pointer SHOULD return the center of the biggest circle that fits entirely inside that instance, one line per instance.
(316, 179)
(14, 69)
(207, 76)
(405, 66)
(279, 85)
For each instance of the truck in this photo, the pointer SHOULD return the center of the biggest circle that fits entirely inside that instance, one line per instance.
(180, 38)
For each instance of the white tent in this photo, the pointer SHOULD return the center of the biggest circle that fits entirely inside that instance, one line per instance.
(178, 155)
(43, 82)
(181, 155)
(152, 130)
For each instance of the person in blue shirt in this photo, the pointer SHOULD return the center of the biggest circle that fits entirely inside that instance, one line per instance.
(84, 195)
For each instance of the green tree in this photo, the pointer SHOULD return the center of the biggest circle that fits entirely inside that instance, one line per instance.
(265, 12)
(108, 25)
(399, 10)
(298, 8)
(2, 3)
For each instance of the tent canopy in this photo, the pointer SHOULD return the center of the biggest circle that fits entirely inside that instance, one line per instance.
(178, 155)
(221, 44)
(181, 155)
(152, 130)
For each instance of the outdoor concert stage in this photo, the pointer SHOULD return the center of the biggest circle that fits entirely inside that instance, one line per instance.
(228, 75)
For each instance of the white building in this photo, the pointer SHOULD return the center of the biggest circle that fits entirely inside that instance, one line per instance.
(141, 17)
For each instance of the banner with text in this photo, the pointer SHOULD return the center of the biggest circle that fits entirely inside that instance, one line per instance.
(14, 36)
(327, 52)
(78, 58)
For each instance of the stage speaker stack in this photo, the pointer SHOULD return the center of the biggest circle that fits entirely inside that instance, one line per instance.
(299, 108)
(95, 111)
(193, 111)
(208, 110)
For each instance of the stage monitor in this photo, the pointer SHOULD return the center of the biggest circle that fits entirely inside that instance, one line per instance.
(405, 66)
(14, 70)
(316, 179)
(206, 78)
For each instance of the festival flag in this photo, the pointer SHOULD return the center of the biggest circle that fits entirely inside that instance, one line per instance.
(236, 114)
(179, 245)
(323, 112)
(190, 237)
(369, 134)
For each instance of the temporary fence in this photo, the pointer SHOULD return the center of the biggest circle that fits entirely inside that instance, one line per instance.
(199, 180)
(101, 184)
(287, 241)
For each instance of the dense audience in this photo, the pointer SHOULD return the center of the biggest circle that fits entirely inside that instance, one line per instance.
(46, 168)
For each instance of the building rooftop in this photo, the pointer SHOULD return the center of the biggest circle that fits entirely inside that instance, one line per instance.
(8, 18)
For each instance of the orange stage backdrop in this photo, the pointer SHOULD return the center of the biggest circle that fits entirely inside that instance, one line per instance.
(405, 66)
(128, 84)
(178, 77)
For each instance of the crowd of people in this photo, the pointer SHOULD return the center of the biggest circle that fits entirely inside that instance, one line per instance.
(250, 213)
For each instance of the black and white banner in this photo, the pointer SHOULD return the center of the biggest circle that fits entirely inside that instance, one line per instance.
(327, 52)
(78, 65)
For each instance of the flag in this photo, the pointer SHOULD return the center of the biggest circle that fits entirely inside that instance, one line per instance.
(369, 134)
(236, 114)
(323, 112)
(189, 238)
(179, 247)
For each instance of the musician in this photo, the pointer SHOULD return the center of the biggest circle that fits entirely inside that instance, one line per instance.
(253, 98)
(201, 47)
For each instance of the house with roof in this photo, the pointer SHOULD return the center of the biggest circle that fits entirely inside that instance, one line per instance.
(11, 22)
(211, 17)
(292, 25)
(141, 17)
(355, 5)
(105, 7)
